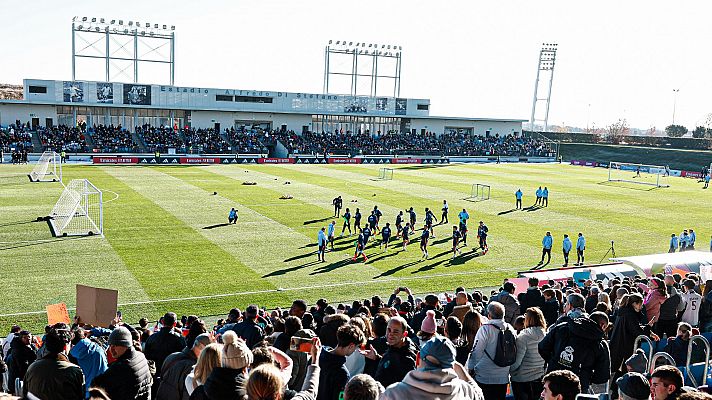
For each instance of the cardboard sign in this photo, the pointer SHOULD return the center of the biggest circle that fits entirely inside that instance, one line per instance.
(521, 285)
(460, 311)
(57, 313)
(96, 306)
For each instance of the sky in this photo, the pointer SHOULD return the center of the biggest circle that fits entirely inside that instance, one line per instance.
(616, 59)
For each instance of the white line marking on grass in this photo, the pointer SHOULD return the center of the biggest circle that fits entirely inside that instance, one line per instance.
(116, 196)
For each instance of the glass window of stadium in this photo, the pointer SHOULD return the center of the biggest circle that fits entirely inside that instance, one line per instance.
(126, 117)
(355, 124)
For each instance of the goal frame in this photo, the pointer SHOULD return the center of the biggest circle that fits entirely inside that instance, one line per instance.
(385, 174)
(79, 211)
(47, 169)
(480, 192)
(656, 170)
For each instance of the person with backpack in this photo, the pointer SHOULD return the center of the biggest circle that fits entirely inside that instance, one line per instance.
(495, 350)
(579, 345)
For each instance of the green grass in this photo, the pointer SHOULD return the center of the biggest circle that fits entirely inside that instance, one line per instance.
(158, 253)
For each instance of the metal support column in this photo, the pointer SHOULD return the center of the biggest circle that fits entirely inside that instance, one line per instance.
(108, 58)
(74, 53)
(135, 60)
(173, 58)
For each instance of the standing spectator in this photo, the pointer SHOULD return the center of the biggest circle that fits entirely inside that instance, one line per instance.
(592, 300)
(438, 376)
(528, 369)
(400, 357)
(90, 357)
(692, 302)
(163, 343)
(431, 303)
(334, 374)
(362, 387)
(551, 307)
(573, 309)
(492, 378)
(508, 301)
(299, 307)
(654, 299)
(667, 322)
(666, 383)
(706, 306)
(53, 376)
(176, 368)
(128, 377)
(626, 328)
(579, 345)
(453, 331)
(291, 326)
(560, 385)
(22, 353)
(633, 386)
(228, 380)
(533, 297)
(248, 329)
(210, 357)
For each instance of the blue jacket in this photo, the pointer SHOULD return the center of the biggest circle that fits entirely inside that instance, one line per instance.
(581, 243)
(518, 194)
(547, 242)
(673, 242)
(91, 359)
(567, 244)
(321, 238)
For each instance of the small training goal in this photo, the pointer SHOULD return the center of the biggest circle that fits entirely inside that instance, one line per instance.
(47, 169)
(385, 173)
(79, 211)
(652, 175)
(480, 192)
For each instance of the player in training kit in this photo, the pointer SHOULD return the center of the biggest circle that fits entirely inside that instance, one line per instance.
(518, 196)
(378, 215)
(580, 247)
(538, 196)
(232, 217)
(455, 241)
(366, 234)
(546, 245)
(385, 236)
(674, 242)
(360, 246)
(566, 248)
(372, 222)
(337, 202)
(357, 220)
(445, 209)
(707, 181)
(545, 197)
(482, 232)
(429, 217)
(464, 216)
(411, 212)
(347, 222)
(399, 223)
(424, 236)
(684, 239)
(321, 242)
(691, 242)
(330, 234)
(406, 235)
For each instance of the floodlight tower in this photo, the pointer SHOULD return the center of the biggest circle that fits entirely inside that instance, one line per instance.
(362, 53)
(547, 61)
(118, 44)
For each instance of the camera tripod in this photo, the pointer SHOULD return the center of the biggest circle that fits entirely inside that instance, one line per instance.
(611, 251)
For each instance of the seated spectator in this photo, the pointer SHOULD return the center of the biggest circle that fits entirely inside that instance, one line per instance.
(560, 385)
(633, 386)
(666, 383)
(638, 362)
(678, 346)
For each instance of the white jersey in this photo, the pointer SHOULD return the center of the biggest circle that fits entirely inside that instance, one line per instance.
(692, 300)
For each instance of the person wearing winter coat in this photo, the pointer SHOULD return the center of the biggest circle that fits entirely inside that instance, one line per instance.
(438, 376)
(334, 374)
(53, 377)
(399, 359)
(627, 327)
(90, 357)
(654, 299)
(22, 353)
(300, 361)
(227, 382)
(510, 303)
(128, 377)
(177, 367)
(550, 307)
(528, 368)
(579, 346)
(490, 377)
(533, 297)
(678, 346)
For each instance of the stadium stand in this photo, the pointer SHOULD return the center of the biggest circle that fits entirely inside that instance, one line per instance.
(160, 138)
(366, 347)
(205, 141)
(112, 139)
(16, 137)
(62, 137)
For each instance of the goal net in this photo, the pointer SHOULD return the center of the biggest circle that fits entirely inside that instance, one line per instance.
(480, 192)
(653, 175)
(47, 169)
(385, 173)
(79, 211)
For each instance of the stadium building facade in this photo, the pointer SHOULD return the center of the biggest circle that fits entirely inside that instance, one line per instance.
(50, 102)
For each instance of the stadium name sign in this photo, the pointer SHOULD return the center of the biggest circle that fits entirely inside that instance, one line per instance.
(236, 92)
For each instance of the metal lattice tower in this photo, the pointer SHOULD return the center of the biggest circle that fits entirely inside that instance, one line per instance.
(354, 60)
(123, 46)
(547, 61)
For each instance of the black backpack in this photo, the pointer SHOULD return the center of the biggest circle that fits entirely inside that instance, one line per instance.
(506, 353)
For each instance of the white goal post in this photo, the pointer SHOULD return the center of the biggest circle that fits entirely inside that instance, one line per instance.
(643, 174)
(385, 173)
(480, 192)
(47, 169)
(79, 211)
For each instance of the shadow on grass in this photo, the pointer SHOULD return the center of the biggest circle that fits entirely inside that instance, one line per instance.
(459, 260)
(314, 221)
(398, 268)
(333, 266)
(216, 226)
(20, 223)
(290, 269)
(534, 207)
(39, 242)
(629, 185)
(507, 212)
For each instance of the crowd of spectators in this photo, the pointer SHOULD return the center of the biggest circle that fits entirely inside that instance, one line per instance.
(16, 137)
(205, 141)
(553, 340)
(250, 141)
(160, 138)
(112, 139)
(63, 138)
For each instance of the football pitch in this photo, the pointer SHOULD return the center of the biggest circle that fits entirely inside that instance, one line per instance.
(167, 245)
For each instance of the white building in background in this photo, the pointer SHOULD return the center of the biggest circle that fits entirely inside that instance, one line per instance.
(48, 102)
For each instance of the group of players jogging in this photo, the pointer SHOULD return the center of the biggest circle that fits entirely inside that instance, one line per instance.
(405, 229)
